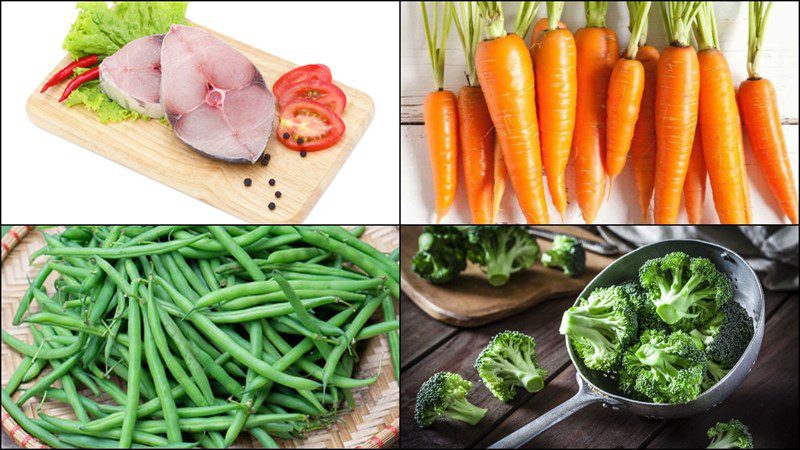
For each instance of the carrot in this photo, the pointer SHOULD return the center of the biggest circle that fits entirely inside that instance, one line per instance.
(762, 120)
(441, 125)
(643, 144)
(500, 175)
(539, 28)
(597, 52)
(720, 126)
(677, 92)
(477, 146)
(625, 90)
(694, 188)
(556, 92)
(476, 130)
(441, 116)
(505, 72)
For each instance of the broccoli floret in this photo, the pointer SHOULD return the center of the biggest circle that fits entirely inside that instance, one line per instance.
(687, 292)
(442, 254)
(663, 368)
(445, 394)
(509, 361)
(646, 316)
(601, 327)
(714, 373)
(566, 253)
(501, 250)
(733, 434)
(727, 335)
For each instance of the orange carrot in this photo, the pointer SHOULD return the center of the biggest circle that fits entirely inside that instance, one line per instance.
(720, 126)
(677, 92)
(694, 188)
(441, 116)
(597, 52)
(625, 91)
(505, 72)
(477, 145)
(643, 145)
(500, 174)
(761, 119)
(556, 92)
(539, 28)
(441, 126)
(475, 123)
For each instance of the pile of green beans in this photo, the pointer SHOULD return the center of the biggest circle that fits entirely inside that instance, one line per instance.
(213, 331)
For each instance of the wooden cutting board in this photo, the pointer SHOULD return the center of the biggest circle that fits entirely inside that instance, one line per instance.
(470, 301)
(150, 148)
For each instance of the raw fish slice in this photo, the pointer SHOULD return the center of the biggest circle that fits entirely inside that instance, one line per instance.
(132, 76)
(214, 97)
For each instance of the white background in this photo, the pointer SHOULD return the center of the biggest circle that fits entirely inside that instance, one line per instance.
(778, 63)
(46, 179)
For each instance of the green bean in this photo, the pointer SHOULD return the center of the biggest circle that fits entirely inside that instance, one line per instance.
(343, 236)
(217, 423)
(263, 437)
(90, 405)
(124, 252)
(81, 441)
(177, 371)
(368, 264)
(29, 424)
(134, 372)
(392, 337)
(208, 274)
(225, 343)
(350, 334)
(113, 391)
(49, 379)
(266, 287)
(240, 417)
(66, 381)
(270, 310)
(72, 271)
(304, 294)
(42, 352)
(243, 240)
(168, 407)
(73, 427)
(176, 262)
(153, 235)
(16, 378)
(238, 252)
(179, 279)
(55, 241)
(25, 301)
(377, 329)
(184, 349)
(34, 370)
(116, 276)
(293, 255)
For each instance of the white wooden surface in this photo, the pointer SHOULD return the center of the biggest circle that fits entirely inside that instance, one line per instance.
(779, 62)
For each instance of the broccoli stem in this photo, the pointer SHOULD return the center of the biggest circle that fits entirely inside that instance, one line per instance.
(465, 411)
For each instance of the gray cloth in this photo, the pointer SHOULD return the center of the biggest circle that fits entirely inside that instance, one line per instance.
(770, 250)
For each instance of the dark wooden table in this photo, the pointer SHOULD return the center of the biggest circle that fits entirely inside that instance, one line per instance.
(767, 402)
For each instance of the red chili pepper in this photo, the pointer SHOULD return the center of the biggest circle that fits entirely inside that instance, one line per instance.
(91, 74)
(66, 72)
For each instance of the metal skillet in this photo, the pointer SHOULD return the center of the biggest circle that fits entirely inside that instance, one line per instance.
(594, 387)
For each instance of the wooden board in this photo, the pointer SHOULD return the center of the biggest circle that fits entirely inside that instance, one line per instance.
(470, 301)
(150, 148)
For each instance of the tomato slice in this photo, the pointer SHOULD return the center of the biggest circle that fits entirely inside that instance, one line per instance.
(302, 74)
(321, 92)
(308, 125)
